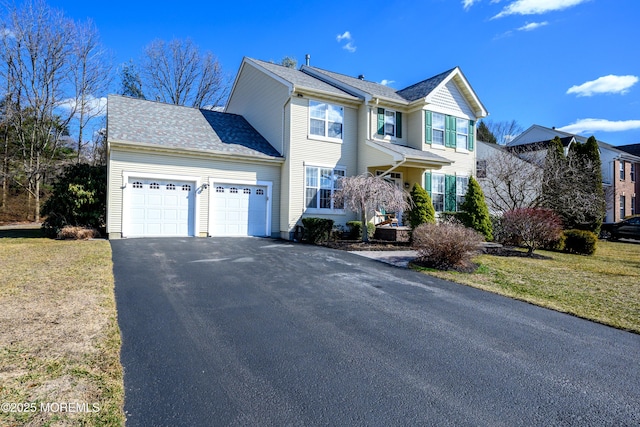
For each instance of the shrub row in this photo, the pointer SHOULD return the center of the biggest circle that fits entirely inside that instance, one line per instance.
(316, 229)
(355, 229)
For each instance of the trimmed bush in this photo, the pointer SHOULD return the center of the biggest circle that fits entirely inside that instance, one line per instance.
(422, 211)
(534, 227)
(475, 213)
(355, 230)
(580, 242)
(316, 229)
(79, 199)
(446, 245)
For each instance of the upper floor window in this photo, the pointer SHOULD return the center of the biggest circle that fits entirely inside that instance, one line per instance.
(633, 172)
(481, 169)
(438, 129)
(320, 184)
(325, 120)
(389, 123)
(462, 133)
(448, 131)
(621, 168)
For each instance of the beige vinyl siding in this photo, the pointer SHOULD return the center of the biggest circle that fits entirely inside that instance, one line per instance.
(452, 101)
(124, 160)
(415, 129)
(260, 99)
(309, 151)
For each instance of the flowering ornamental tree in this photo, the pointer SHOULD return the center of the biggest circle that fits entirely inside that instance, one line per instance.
(535, 227)
(365, 193)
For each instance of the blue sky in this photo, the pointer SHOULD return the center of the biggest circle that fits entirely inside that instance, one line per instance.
(572, 64)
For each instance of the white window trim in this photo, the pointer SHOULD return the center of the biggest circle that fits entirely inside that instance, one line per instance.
(126, 195)
(239, 182)
(460, 175)
(304, 190)
(320, 137)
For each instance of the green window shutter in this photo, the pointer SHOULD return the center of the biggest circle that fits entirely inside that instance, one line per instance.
(470, 141)
(427, 182)
(398, 124)
(380, 121)
(450, 193)
(427, 133)
(450, 132)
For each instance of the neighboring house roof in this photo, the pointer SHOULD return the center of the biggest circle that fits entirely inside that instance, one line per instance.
(151, 123)
(523, 139)
(631, 149)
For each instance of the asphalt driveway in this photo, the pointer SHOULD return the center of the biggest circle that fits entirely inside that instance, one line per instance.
(249, 331)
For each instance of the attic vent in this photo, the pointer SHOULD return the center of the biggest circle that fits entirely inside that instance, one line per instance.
(361, 77)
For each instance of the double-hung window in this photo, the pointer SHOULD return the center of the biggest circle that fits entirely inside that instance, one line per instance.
(462, 133)
(633, 172)
(320, 185)
(389, 123)
(449, 131)
(325, 120)
(438, 129)
(437, 192)
(462, 183)
(621, 170)
(622, 207)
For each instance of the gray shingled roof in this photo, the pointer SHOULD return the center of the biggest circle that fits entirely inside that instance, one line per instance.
(171, 126)
(423, 88)
(411, 152)
(408, 94)
(631, 149)
(300, 79)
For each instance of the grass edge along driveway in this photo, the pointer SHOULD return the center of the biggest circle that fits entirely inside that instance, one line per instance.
(604, 287)
(60, 341)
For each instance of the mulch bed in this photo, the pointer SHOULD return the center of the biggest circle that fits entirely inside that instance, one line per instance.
(372, 245)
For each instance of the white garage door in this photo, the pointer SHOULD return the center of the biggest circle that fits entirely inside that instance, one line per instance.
(160, 208)
(239, 210)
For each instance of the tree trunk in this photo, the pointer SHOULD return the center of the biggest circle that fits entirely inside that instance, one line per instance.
(365, 231)
(5, 171)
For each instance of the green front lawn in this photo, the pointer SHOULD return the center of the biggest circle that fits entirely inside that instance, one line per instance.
(59, 341)
(604, 287)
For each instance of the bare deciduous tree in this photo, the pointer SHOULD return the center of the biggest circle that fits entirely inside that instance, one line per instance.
(504, 131)
(91, 70)
(35, 56)
(365, 193)
(511, 182)
(176, 73)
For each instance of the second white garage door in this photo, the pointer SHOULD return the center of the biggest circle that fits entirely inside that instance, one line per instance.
(239, 210)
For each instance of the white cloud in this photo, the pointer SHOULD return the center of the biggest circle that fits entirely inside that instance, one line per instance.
(93, 106)
(344, 36)
(349, 47)
(468, 3)
(386, 82)
(530, 26)
(536, 7)
(606, 84)
(594, 125)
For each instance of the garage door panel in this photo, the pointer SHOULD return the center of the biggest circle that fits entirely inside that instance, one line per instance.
(239, 210)
(160, 208)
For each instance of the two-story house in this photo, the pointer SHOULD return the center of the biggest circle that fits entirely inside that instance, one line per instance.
(277, 152)
(619, 168)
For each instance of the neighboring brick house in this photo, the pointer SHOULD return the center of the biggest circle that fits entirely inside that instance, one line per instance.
(629, 188)
(619, 168)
